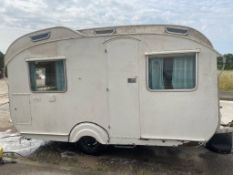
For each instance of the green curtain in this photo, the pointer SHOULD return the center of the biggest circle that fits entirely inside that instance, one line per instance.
(32, 68)
(60, 77)
(156, 73)
(183, 72)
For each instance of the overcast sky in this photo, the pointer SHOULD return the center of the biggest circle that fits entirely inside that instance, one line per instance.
(214, 18)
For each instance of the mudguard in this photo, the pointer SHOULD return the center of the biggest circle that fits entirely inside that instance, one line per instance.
(89, 129)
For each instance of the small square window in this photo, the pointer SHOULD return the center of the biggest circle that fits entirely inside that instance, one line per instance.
(172, 72)
(47, 75)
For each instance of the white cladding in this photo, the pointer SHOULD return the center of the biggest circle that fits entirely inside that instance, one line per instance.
(100, 102)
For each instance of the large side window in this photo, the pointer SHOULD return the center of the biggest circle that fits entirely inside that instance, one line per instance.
(172, 71)
(47, 75)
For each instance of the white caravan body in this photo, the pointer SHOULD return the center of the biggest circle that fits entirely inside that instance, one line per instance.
(120, 85)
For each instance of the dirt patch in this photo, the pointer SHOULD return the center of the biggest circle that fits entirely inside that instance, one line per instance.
(140, 160)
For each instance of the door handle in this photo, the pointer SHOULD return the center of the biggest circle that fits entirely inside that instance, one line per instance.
(132, 80)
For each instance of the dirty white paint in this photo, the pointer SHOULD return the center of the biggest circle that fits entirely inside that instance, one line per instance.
(97, 69)
(10, 140)
(13, 142)
(226, 111)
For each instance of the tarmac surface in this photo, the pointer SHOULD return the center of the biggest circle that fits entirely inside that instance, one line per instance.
(57, 158)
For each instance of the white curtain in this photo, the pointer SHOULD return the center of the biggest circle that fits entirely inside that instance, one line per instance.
(183, 72)
(156, 73)
(60, 78)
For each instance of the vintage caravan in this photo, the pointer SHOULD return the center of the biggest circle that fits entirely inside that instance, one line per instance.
(124, 85)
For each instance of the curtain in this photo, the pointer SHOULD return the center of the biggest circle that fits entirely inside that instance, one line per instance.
(183, 72)
(167, 72)
(156, 73)
(32, 68)
(60, 80)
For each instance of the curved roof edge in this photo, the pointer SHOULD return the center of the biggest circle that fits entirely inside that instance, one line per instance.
(149, 29)
(25, 41)
(60, 33)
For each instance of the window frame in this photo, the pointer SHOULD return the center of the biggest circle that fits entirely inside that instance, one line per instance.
(48, 59)
(172, 53)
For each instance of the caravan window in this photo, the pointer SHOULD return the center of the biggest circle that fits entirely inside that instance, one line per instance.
(47, 75)
(172, 72)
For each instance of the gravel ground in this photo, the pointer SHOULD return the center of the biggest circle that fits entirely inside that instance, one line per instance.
(64, 158)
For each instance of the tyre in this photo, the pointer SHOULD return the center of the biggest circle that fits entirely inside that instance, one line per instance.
(90, 145)
(220, 143)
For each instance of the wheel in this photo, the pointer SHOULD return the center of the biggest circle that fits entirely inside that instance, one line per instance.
(220, 143)
(90, 145)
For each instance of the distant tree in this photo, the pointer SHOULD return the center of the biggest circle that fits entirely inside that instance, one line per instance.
(229, 61)
(220, 63)
(1, 64)
(1, 60)
(225, 61)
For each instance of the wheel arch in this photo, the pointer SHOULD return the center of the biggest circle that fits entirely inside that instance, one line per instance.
(88, 129)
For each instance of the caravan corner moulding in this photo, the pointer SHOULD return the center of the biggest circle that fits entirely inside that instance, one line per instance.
(131, 85)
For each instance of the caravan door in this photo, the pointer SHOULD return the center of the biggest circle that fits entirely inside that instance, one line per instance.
(48, 86)
(122, 65)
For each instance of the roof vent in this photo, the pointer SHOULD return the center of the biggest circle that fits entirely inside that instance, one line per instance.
(39, 37)
(104, 31)
(176, 31)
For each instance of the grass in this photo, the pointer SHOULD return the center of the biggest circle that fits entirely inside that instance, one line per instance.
(226, 81)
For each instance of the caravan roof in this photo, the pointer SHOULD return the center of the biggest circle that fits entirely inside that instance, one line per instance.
(63, 33)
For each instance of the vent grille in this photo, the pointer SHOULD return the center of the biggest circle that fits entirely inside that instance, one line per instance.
(105, 31)
(177, 31)
(39, 37)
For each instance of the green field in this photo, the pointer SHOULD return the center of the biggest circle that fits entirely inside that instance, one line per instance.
(226, 80)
